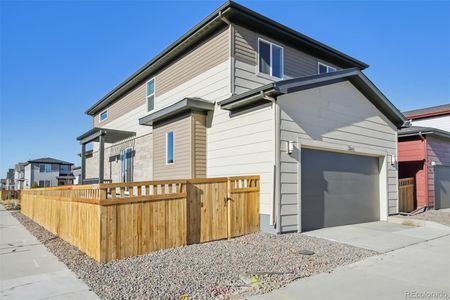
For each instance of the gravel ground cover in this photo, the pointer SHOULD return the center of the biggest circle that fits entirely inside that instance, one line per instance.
(229, 269)
(437, 216)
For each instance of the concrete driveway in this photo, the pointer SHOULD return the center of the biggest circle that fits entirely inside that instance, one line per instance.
(382, 236)
(29, 271)
(415, 264)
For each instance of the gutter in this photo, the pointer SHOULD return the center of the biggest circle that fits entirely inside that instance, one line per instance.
(205, 22)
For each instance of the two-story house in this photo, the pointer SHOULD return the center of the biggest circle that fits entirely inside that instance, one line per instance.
(240, 94)
(19, 176)
(424, 154)
(47, 172)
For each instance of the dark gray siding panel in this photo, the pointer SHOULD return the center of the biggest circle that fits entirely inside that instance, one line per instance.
(442, 186)
(338, 189)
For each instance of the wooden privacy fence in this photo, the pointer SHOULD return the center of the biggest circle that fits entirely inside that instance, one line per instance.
(114, 221)
(406, 194)
(9, 195)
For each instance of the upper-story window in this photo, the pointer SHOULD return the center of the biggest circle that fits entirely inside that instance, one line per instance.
(169, 148)
(270, 59)
(64, 168)
(150, 94)
(103, 116)
(45, 168)
(323, 68)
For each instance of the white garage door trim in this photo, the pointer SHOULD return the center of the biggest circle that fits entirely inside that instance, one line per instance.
(324, 146)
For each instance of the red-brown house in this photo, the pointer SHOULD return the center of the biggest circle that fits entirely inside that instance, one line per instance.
(424, 153)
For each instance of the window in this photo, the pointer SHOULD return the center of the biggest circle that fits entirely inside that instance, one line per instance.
(103, 116)
(44, 183)
(150, 94)
(270, 59)
(45, 168)
(325, 69)
(126, 169)
(64, 168)
(169, 148)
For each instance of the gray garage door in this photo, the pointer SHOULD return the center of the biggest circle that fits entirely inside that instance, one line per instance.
(338, 189)
(442, 186)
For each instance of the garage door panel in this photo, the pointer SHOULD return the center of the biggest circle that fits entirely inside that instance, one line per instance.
(442, 186)
(338, 189)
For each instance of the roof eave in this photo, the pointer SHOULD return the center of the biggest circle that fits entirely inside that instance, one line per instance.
(355, 76)
(425, 133)
(218, 15)
(186, 104)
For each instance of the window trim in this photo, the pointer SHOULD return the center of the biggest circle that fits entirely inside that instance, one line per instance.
(45, 170)
(100, 116)
(167, 148)
(270, 76)
(153, 94)
(326, 66)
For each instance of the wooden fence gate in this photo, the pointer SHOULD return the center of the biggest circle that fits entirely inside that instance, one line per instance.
(406, 188)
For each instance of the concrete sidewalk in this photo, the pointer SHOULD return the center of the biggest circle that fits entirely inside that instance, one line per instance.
(29, 271)
(381, 236)
(419, 271)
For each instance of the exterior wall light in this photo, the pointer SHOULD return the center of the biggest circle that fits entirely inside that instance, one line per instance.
(393, 160)
(290, 147)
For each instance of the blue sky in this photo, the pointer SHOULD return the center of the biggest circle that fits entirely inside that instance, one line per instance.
(58, 58)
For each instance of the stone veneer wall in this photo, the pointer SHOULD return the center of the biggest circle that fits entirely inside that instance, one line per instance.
(142, 160)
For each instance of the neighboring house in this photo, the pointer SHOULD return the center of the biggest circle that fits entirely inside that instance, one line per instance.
(436, 117)
(9, 182)
(19, 176)
(3, 184)
(424, 153)
(240, 94)
(44, 172)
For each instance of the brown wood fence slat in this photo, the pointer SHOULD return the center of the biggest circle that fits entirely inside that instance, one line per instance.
(406, 188)
(9, 194)
(114, 221)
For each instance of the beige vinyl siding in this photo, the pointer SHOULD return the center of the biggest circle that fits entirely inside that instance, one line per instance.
(181, 168)
(199, 145)
(296, 62)
(243, 145)
(207, 55)
(336, 114)
(130, 101)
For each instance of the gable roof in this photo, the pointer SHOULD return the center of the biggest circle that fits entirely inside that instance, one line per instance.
(419, 130)
(48, 160)
(354, 75)
(428, 112)
(229, 12)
